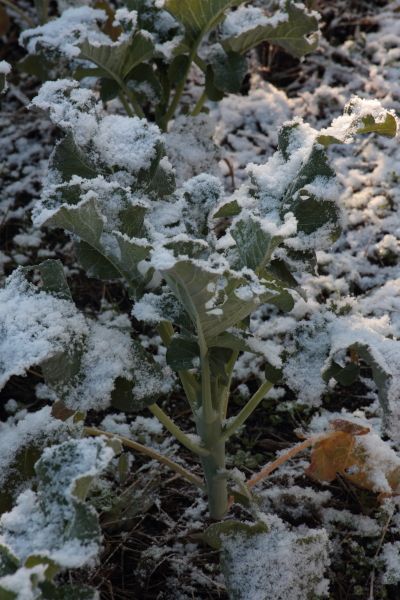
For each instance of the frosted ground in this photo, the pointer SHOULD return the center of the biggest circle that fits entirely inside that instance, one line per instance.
(356, 546)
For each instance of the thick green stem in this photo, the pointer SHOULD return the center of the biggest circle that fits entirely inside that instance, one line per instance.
(209, 427)
(177, 431)
(247, 410)
(214, 468)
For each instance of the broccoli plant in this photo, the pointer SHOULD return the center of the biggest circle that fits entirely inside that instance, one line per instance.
(196, 263)
(144, 53)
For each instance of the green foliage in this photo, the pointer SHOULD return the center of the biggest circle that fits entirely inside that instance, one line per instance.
(296, 33)
(195, 263)
(60, 530)
(166, 41)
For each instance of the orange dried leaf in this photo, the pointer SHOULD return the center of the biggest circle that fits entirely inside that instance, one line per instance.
(331, 455)
(348, 427)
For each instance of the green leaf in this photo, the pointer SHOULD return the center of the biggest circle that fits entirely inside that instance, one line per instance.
(213, 93)
(387, 128)
(177, 69)
(117, 61)
(8, 562)
(273, 374)
(163, 182)
(145, 386)
(346, 375)
(297, 35)
(182, 353)
(381, 374)
(193, 286)
(227, 209)
(51, 567)
(84, 220)
(64, 473)
(109, 89)
(343, 128)
(66, 592)
(199, 16)
(82, 72)
(140, 49)
(110, 59)
(214, 533)
(95, 263)
(232, 341)
(37, 65)
(54, 280)
(61, 371)
(69, 160)
(229, 69)
(145, 74)
(255, 246)
(132, 253)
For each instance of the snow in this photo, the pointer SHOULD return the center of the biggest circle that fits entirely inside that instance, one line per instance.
(66, 33)
(128, 143)
(5, 67)
(281, 564)
(21, 583)
(38, 523)
(35, 326)
(24, 430)
(246, 18)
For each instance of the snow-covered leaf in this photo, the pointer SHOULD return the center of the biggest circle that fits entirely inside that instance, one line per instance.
(199, 16)
(117, 61)
(215, 301)
(279, 563)
(55, 521)
(293, 28)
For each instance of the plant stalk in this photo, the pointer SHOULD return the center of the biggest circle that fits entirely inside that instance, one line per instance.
(177, 431)
(199, 104)
(92, 431)
(209, 427)
(246, 410)
(214, 467)
(181, 85)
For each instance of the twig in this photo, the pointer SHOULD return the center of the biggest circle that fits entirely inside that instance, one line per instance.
(149, 452)
(269, 467)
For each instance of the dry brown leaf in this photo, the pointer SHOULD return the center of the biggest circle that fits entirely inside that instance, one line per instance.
(349, 427)
(339, 452)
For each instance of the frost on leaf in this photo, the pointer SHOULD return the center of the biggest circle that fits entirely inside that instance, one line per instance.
(280, 563)
(53, 527)
(34, 326)
(320, 348)
(101, 179)
(292, 27)
(21, 440)
(85, 362)
(65, 33)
